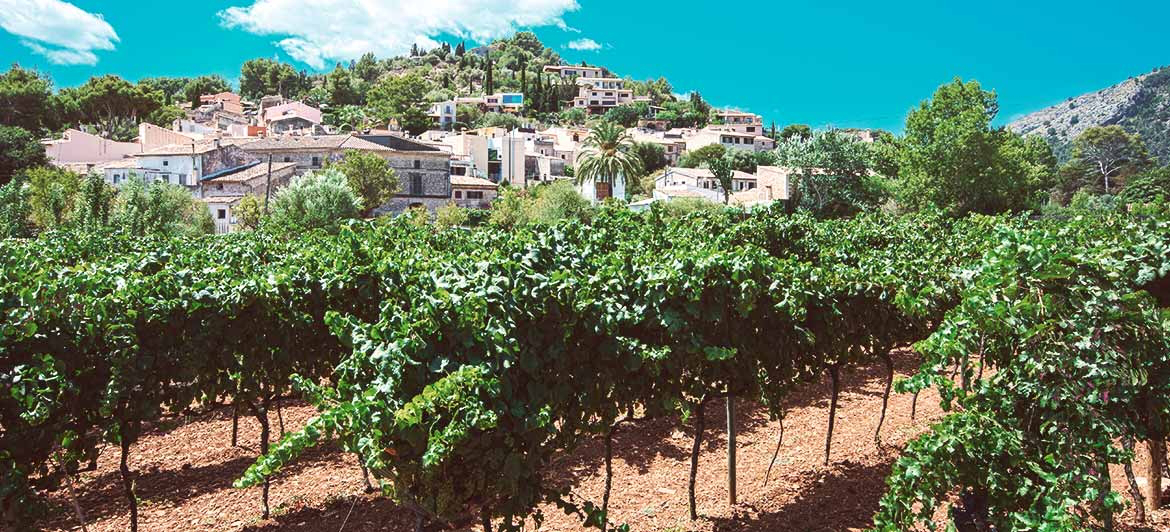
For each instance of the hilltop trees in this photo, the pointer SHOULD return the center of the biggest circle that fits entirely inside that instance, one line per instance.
(401, 98)
(115, 105)
(202, 85)
(261, 77)
(801, 131)
(952, 157)
(694, 112)
(341, 88)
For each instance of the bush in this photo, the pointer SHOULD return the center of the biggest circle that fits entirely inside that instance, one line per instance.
(504, 120)
(14, 210)
(52, 192)
(558, 201)
(699, 157)
(510, 208)
(249, 212)
(316, 200)
(96, 202)
(370, 176)
(160, 208)
(680, 208)
(1152, 186)
(417, 216)
(451, 215)
(19, 150)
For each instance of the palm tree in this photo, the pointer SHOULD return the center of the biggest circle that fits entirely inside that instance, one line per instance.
(606, 155)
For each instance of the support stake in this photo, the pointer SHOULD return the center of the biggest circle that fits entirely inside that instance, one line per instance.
(731, 451)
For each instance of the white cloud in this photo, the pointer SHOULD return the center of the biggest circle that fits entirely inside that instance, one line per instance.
(319, 31)
(585, 45)
(60, 31)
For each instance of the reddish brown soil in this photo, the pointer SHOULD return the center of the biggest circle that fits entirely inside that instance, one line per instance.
(185, 473)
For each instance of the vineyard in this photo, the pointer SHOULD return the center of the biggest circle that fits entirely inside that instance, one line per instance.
(455, 365)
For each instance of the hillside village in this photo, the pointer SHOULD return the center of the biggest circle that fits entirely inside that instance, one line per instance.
(455, 128)
(229, 146)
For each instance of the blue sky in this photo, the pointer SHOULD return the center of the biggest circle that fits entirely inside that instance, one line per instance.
(847, 63)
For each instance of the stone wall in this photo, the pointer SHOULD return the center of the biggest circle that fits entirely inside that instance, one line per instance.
(422, 174)
(402, 203)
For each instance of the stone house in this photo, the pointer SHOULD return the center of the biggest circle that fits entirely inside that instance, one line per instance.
(223, 190)
(423, 171)
(187, 164)
(473, 192)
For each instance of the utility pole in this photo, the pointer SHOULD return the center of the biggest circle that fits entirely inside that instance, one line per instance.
(731, 450)
(268, 185)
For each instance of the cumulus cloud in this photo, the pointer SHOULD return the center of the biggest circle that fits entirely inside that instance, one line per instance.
(318, 31)
(60, 31)
(585, 45)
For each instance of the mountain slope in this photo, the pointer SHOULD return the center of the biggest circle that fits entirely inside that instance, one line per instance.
(1140, 105)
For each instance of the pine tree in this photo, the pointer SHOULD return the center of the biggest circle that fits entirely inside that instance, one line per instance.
(414, 50)
(487, 83)
(524, 82)
(537, 94)
(460, 49)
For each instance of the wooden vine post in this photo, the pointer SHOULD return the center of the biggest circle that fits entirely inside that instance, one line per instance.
(1157, 453)
(731, 450)
(1156, 450)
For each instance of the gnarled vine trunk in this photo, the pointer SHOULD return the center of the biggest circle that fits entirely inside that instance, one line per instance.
(699, 426)
(835, 382)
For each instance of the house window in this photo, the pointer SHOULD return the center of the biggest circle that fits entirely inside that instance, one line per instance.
(288, 159)
(166, 163)
(474, 194)
(221, 214)
(458, 194)
(416, 184)
(316, 161)
(751, 129)
(417, 164)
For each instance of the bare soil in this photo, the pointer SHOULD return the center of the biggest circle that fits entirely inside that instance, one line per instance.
(185, 469)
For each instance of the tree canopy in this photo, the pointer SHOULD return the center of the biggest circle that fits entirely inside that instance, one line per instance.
(953, 158)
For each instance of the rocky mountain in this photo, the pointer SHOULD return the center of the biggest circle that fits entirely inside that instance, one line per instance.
(1140, 105)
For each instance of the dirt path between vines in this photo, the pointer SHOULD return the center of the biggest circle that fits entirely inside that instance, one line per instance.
(185, 471)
